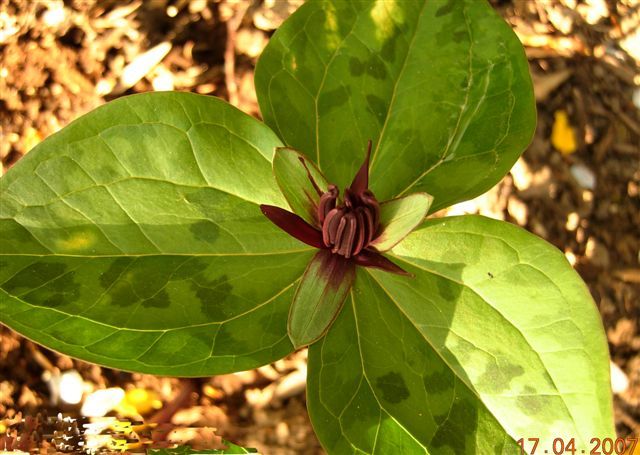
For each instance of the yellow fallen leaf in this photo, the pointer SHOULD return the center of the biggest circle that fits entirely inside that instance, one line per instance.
(138, 402)
(212, 392)
(563, 136)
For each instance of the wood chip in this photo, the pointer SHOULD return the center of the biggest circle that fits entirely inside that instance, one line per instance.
(544, 84)
(142, 65)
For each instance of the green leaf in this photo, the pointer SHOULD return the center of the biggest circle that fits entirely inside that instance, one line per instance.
(186, 450)
(441, 87)
(399, 217)
(294, 182)
(133, 239)
(495, 339)
(319, 297)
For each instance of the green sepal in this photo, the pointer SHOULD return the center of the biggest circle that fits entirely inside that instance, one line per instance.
(319, 297)
(294, 182)
(398, 217)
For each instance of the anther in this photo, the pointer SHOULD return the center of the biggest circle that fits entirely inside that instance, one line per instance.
(327, 203)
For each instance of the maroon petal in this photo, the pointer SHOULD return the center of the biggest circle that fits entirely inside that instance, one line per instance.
(293, 225)
(361, 180)
(368, 258)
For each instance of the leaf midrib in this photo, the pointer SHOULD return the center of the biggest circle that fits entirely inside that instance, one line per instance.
(395, 86)
(364, 375)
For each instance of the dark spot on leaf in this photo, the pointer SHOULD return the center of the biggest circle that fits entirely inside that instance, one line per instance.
(446, 8)
(453, 29)
(529, 402)
(212, 295)
(333, 99)
(393, 388)
(438, 381)
(376, 69)
(490, 274)
(160, 300)
(205, 231)
(388, 51)
(114, 271)
(130, 280)
(497, 378)
(33, 276)
(458, 428)
(189, 269)
(356, 67)
(122, 294)
(62, 290)
(378, 106)
(447, 289)
(152, 274)
(460, 36)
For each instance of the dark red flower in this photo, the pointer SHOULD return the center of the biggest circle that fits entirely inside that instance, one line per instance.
(347, 227)
(349, 231)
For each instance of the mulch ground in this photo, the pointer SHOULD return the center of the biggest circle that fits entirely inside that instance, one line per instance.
(59, 60)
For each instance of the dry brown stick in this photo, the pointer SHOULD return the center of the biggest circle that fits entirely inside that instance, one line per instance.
(230, 52)
(163, 417)
(631, 124)
(181, 400)
(40, 358)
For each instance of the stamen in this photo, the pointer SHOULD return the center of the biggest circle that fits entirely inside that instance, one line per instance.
(370, 225)
(348, 198)
(327, 203)
(330, 226)
(361, 228)
(348, 235)
(337, 242)
(348, 228)
(370, 201)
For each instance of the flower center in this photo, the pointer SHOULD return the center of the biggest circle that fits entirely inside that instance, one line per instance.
(349, 227)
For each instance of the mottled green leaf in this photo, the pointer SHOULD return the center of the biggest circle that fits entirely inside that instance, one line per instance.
(399, 217)
(495, 339)
(133, 239)
(319, 297)
(441, 87)
(296, 186)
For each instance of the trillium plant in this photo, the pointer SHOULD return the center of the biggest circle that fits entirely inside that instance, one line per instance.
(348, 233)
(172, 234)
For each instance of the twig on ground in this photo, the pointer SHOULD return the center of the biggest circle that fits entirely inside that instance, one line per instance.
(230, 52)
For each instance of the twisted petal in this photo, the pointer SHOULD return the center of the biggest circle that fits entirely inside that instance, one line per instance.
(293, 225)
